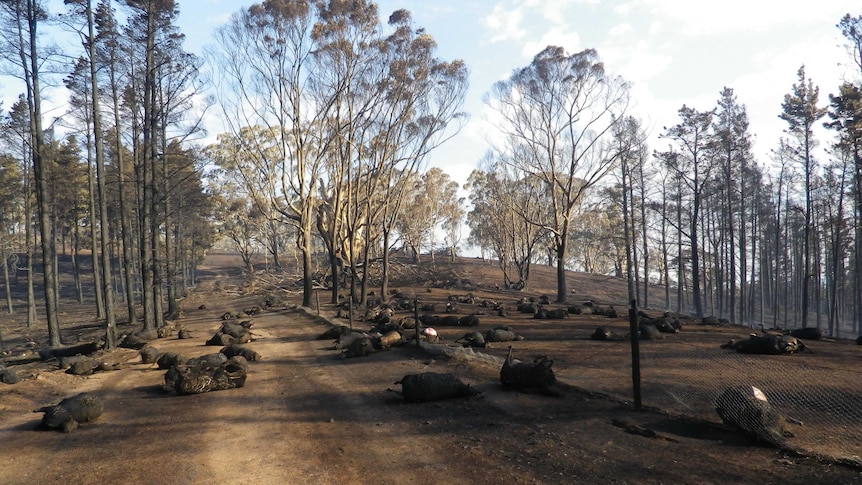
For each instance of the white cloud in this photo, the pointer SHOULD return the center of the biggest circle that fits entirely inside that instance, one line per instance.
(504, 23)
(569, 40)
(731, 16)
(620, 29)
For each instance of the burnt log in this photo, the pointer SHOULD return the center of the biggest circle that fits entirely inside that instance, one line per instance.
(68, 351)
(70, 412)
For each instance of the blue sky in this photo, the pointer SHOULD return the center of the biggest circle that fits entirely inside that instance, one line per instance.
(674, 52)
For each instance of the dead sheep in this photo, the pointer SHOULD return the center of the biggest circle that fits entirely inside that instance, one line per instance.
(746, 408)
(8, 376)
(361, 347)
(149, 354)
(138, 340)
(334, 332)
(472, 339)
(433, 386)
(170, 359)
(70, 412)
(345, 340)
(527, 377)
(502, 333)
(392, 338)
(236, 349)
(606, 334)
(766, 344)
(83, 367)
(201, 377)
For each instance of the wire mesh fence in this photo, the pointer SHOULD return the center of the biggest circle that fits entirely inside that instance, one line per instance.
(816, 394)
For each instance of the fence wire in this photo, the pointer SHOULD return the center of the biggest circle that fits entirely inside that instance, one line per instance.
(817, 395)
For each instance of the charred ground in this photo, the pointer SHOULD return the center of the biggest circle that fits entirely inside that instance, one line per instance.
(306, 415)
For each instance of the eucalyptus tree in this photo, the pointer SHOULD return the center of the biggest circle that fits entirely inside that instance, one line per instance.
(801, 113)
(505, 202)
(562, 109)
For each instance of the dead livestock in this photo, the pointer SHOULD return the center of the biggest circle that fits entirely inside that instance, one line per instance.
(433, 386)
(649, 332)
(408, 323)
(451, 307)
(502, 334)
(746, 408)
(203, 377)
(8, 376)
(468, 321)
(207, 360)
(386, 328)
(334, 332)
(236, 349)
(392, 338)
(83, 366)
(149, 354)
(448, 321)
(70, 412)
(807, 333)
(472, 339)
(166, 331)
(528, 377)
(527, 307)
(361, 347)
(766, 344)
(137, 340)
(184, 334)
(345, 340)
(429, 320)
(662, 324)
(238, 331)
(606, 334)
(170, 359)
(230, 333)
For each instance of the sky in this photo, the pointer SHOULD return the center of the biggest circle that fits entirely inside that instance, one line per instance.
(673, 52)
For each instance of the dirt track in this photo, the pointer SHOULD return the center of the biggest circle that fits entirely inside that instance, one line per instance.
(306, 416)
